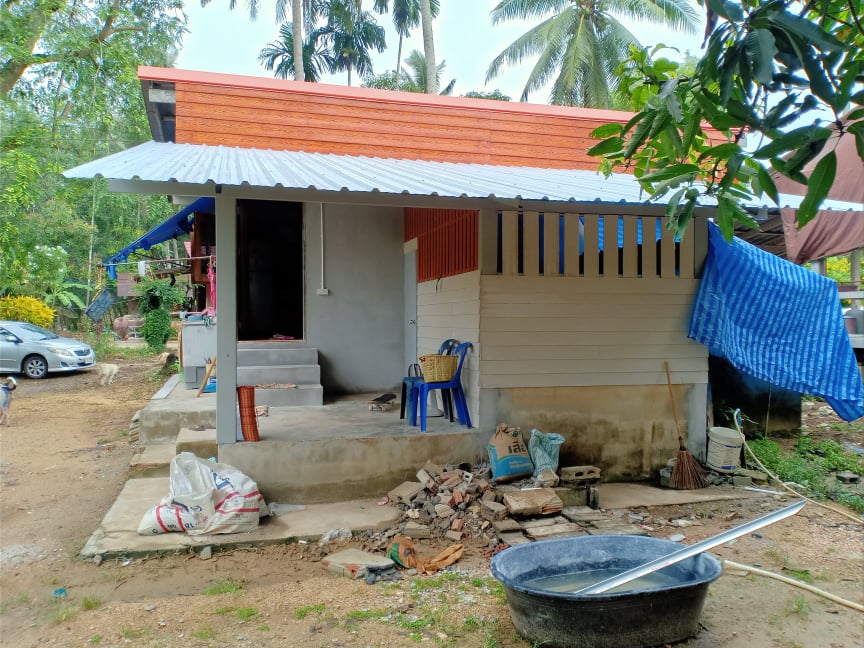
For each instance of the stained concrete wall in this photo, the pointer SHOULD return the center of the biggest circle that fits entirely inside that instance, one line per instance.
(358, 327)
(313, 471)
(628, 431)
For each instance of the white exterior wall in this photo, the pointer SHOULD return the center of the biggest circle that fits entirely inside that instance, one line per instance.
(450, 308)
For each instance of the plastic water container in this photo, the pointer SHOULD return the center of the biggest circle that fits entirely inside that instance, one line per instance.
(724, 448)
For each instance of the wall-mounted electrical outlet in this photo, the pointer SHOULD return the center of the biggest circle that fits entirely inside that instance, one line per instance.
(323, 291)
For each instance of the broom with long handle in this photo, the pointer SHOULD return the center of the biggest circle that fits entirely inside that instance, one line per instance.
(687, 473)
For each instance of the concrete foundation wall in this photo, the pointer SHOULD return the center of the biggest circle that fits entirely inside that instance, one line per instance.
(627, 431)
(358, 327)
(314, 471)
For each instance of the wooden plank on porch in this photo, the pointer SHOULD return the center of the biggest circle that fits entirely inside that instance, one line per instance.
(571, 245)
(688, 252)
(551, 243)
(631, 246)
(667, 251)
(610, 245)
(591, 245)
(509, 243)
(649, 247)
(530, 244)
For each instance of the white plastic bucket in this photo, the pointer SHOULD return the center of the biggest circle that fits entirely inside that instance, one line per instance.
(724, 448)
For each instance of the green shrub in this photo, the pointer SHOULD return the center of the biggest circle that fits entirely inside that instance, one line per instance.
(27, 309)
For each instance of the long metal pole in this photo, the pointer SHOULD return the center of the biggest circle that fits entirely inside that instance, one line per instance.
(692, 550)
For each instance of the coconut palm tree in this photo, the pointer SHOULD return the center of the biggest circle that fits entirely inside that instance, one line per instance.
(351, 33)
(279, 56)
(428, 45)
(417, 78)
(580, 43)
(406, 16)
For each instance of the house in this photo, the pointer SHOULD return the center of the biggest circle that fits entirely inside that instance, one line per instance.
(371, 225)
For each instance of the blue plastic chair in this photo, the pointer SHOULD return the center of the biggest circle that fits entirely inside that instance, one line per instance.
(410, 382)
(454, 385)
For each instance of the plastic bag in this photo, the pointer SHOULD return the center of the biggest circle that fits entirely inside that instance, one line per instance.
(544, 448)
(205, 497)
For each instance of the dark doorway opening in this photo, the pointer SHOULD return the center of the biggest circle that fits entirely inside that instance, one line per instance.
(269, 270)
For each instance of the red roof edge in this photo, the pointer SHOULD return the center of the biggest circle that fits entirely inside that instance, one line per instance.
(175, 75)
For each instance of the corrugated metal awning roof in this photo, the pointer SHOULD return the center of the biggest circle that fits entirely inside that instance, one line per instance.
(197, 164)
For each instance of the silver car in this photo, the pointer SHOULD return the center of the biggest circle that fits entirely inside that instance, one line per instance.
(31, 350)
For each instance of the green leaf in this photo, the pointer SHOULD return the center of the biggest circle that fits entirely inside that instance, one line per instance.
(820, 84)
(685, 215)
(611, 145)
(725, 220)
(727, 74)
(692, 126)
(792, 141)
(807, 32)
(721, 151)
(606, 130)
(671, 171)
(733, 165)
(818, 186)
(855, 115)
(766, 182)
(727, 10)
(857, 129)
(672, 205)
(761, 49)
(640, 133)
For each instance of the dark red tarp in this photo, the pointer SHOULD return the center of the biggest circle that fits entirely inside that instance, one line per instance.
(830, 233)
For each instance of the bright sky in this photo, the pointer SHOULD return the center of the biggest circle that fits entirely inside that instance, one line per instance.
(220, 40)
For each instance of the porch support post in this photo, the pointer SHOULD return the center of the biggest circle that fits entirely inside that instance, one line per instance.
(226, 319)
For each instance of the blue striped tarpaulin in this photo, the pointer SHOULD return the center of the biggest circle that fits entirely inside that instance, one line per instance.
(778, 322)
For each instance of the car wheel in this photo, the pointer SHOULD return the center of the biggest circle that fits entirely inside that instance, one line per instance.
(35, 367)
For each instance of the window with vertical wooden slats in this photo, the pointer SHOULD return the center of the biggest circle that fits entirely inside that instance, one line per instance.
(446, 241)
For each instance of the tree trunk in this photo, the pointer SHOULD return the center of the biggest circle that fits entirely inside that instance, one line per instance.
(399, 63)
(297, 32)
(429, 47)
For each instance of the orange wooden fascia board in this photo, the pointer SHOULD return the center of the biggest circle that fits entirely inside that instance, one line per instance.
(174, 75)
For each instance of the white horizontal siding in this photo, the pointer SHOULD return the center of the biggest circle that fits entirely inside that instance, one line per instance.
(557, 331)
(450, 308)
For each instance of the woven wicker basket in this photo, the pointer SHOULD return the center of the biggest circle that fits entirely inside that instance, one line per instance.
(438, 368)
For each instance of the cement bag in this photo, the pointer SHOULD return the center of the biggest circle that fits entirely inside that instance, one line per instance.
(508, 456)
(205, 497)
(544, 448)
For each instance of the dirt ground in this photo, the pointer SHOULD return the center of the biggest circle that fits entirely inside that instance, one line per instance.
(65, 457)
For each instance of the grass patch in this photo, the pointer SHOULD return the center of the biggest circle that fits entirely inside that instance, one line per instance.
(91, 602)
(800, 606)
(802, 575)
(363, 615)
(306, 610)
(63, 613)
(810, 466)
(222, 611)
(131, 633)
(229, 586)
(425, 584)
(263, 627)
(247, 614)
(204, 634)
(96, 639)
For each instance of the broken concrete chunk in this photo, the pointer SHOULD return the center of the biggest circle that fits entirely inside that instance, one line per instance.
(582, 514)
(355, 563)
(454, 536)
(513, 538)
(538, 501)
(416, 530)
(507, 524)
(580, 473)
(443, 511)
(564, 530)
(405, 492)
(492, 511)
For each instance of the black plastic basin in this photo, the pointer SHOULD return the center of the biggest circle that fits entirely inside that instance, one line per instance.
(648, 615)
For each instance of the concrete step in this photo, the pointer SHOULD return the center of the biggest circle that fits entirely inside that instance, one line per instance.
(306, 374)
(152, 460)
(281, 397)
(271, 344)
(201, 443)
(252, 357)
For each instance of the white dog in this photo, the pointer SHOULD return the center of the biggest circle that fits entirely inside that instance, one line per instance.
(106, 372)
(7, 386)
